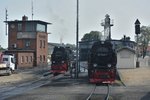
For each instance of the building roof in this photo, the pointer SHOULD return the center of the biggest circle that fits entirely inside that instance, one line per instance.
(25, 19)
(126, 48)
(113, 40)
(20, 21)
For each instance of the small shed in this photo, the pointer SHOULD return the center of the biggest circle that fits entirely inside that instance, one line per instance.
(126, 58)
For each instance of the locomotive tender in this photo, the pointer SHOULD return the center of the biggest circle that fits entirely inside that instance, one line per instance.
(102, 63)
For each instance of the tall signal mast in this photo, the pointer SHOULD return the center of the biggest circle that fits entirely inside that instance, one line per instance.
(107, 23)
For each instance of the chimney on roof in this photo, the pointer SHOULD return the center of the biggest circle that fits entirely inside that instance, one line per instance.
(24, 18)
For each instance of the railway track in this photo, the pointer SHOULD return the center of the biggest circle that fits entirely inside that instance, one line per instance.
(92, 93)
(7, 92)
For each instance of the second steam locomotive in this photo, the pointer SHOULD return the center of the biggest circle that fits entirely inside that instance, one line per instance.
(60, 59)
(102, 63)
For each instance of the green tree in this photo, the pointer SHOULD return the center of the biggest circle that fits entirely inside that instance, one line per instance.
(93, 35)
(1, 48)
(144, 38)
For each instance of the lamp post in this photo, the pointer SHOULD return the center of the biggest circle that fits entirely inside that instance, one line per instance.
(137, 32)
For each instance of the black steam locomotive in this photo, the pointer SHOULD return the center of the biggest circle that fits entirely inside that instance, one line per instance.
(61, 59)
(102, 63)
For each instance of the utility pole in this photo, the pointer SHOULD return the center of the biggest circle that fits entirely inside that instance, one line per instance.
(137, 32)
(6, 17)
(77, 38)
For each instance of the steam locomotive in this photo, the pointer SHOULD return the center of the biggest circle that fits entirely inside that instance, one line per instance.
(61, 60)
(102, 63)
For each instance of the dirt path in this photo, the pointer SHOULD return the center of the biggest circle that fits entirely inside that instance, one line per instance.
(14, 78)
(135, 77)
(23, 75)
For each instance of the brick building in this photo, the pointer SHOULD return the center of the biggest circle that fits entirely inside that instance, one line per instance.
(28, 41)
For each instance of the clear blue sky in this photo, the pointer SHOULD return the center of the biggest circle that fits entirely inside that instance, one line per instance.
(62, 13)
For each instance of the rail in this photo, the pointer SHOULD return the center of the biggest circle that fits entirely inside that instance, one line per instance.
(108, 92)
(89, 97)
(107, 95)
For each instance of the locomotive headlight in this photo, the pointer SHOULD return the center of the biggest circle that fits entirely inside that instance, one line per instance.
(62, 62)
(95, 65)
(53, 61)
(109, 65)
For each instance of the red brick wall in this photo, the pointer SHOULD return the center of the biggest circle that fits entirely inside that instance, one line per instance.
(25, 60)
(42, 48)
(21, 44)
(12, 36)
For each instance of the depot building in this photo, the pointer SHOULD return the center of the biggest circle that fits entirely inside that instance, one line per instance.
(28, 41)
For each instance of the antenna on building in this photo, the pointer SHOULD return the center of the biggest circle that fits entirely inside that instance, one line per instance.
(6, 17)
(32, 9)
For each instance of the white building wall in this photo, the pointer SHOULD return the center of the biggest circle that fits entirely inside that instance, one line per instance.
(126, 59)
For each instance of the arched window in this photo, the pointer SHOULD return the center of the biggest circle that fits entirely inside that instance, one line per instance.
(43, 58)
(40, 58)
